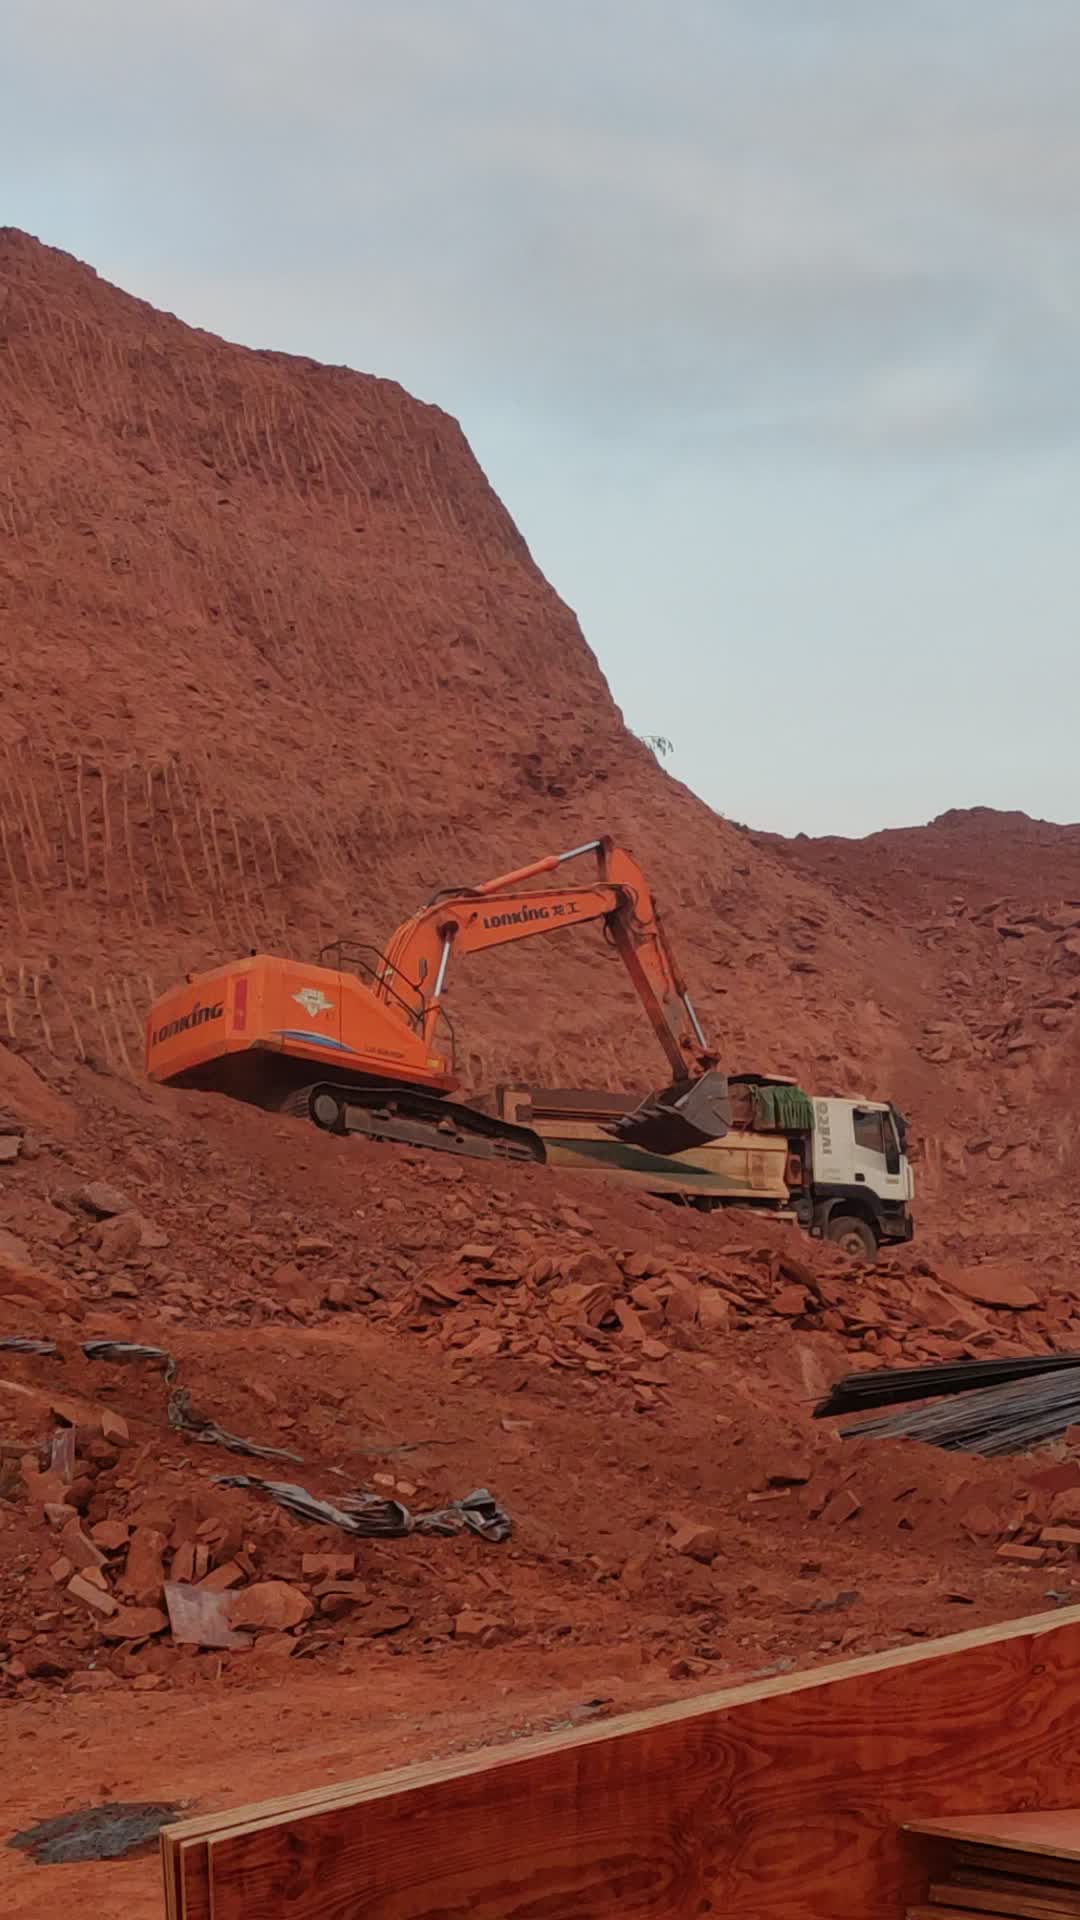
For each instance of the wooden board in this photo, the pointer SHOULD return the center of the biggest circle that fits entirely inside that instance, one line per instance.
(186, 1859)
(1052, 1832)
(936, 1913)
(985, 1865)
(780, 1801)
(1030, 1900)
(1059, 1893)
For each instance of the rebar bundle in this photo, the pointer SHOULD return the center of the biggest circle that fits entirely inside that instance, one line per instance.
(889, 1386)
(1011, 1418)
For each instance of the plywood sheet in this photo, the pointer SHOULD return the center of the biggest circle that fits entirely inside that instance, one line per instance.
(1054, 1832)
(778, 1802)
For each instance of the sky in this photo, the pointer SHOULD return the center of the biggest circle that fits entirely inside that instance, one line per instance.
(761, 316)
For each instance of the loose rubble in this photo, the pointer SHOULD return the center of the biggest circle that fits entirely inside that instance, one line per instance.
(514, 1312)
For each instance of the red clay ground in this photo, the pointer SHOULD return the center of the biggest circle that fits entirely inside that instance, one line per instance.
(632, 1381)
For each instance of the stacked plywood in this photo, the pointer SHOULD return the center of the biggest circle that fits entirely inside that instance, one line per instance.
(1025, 1865)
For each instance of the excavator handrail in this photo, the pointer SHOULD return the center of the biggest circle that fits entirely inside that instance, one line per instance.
(345, 952)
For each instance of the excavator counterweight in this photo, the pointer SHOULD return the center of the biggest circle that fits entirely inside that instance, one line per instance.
(363, 1046)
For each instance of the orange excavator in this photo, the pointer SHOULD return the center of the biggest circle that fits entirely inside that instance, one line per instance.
(361, 1042)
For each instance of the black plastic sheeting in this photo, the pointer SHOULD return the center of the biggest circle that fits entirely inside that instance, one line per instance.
(185, 1418)
(372, 1518)
(94, 1350)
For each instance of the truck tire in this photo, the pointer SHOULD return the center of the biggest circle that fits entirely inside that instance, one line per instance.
(852, 1235)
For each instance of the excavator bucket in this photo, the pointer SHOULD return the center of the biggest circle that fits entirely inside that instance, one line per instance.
(687, 1114)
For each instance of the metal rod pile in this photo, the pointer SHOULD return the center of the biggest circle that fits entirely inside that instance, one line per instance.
(889, 1386)
(1012, 1418)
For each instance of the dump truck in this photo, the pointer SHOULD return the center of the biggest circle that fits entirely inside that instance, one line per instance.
(360, 1042)
(837, 1166)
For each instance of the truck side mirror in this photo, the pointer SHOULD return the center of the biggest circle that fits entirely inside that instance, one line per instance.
(892, 1156)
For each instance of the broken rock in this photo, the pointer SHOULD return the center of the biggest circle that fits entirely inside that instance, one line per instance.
(791, 1301)
(995, 1286)
(118, 1236)
(81, 1588)
(134, 1623)
(103, 1200)
(482, 1627)
(793, 1472)
(79, 1550)
(110, 1534)
(329, 1566)
(681, 1305)
(222, 1578)
(144, 1575)
(714, 1312)
(384, 1618)
(698, 1542)
(843, 1506)
(28, 1287)
(270, 1605)
(981, 1522)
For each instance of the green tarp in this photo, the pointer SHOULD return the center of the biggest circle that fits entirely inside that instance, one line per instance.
(782, 1110)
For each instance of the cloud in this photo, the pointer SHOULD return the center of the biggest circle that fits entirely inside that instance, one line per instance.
(921, 402)
(812, 225)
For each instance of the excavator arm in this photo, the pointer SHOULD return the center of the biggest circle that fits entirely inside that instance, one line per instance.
(471, 920)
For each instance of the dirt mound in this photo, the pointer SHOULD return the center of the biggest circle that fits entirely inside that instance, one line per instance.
(632, 1381)
(215, 1300)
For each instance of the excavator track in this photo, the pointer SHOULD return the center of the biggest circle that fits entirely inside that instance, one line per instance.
(413, 1119)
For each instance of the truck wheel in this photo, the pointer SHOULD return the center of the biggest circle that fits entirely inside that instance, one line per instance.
(852, 1235)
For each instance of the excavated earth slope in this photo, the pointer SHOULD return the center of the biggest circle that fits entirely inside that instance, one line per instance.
(278, 665)
(283, 666)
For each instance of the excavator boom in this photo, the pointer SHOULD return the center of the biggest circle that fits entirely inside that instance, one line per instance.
(503, 910)
(382, 1035)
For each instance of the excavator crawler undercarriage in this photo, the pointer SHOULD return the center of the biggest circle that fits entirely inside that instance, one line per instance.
(414, 1120)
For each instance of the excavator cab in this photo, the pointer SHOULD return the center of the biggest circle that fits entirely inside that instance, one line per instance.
(686, 1114)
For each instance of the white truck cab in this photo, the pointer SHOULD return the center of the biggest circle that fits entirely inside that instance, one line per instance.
(862, 1184)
